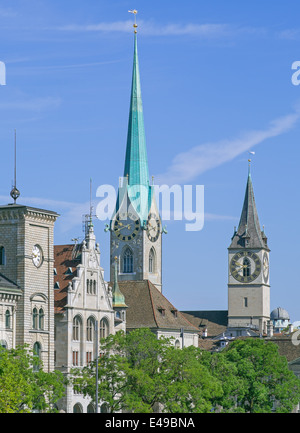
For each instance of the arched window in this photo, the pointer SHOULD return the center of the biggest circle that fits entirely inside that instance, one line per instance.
(128, 262)
(77, 408)
(177, 344)
(76, 328)
(2, 256)
(35, 318)
(104, 328)
(7, 319)
(94, 287)
(91, 408)
(246, 267)
(37, 356)
(41, 318)
(87, 286)
(90, 329)
(152, 261)
(104, 408)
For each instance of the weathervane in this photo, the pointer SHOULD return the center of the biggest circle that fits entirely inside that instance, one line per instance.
(134, 11)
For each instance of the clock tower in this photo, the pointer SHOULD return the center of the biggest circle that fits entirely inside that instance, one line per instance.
(135, 227)
(26, 237)
(248, 277)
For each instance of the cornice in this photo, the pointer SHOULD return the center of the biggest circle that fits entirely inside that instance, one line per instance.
(20, 213)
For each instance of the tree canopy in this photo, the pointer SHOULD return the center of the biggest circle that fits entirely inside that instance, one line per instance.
(24, 388)
(139, 372)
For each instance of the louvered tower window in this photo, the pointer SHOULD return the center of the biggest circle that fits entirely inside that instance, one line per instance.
(128, 262)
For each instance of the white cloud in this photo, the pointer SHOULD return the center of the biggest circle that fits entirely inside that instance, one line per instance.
(291, 34)
(71, 213)
(186, 166)
(208, 30)
(34, 104)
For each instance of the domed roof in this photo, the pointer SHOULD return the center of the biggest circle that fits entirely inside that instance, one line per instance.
(280, 314)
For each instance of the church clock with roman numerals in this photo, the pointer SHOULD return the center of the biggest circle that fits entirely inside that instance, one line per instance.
(245, 266)
(126, 229)
(153, 227)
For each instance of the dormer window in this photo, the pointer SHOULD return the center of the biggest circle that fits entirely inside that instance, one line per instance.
(69, 271)
(56, 285)
(54, 271)
(175, 313)
(162, 311)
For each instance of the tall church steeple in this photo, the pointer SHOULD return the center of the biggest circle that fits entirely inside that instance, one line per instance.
(136, 161)
(136, 225)
(248, 277)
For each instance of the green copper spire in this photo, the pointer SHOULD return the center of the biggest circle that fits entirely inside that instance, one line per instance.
(136, 186)
(118, 297)
(136, 162)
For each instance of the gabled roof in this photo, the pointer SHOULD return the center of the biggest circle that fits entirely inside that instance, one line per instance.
(249, 227)
(66, 259)
(148, 308)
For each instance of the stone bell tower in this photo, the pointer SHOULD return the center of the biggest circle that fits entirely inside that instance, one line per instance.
(248, 276)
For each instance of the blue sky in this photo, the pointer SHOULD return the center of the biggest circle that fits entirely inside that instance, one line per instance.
(216, 83)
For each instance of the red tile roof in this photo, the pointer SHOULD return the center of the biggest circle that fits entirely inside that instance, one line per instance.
(65, 257)
(145, 305)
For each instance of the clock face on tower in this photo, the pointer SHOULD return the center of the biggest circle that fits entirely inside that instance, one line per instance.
(37, 256)
(265, 267)
(126, 229)
(153, 227)
(245, 266)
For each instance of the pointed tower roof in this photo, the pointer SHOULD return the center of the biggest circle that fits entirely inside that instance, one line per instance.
(136, 173)
(249, 234)
(136, 161)
(118, 297)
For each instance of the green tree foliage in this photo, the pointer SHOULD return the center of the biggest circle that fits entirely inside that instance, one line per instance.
(263, 381)
(24, 388)
(140, 373)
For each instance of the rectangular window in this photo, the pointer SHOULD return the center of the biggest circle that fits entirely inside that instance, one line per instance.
(88, 357)
(245, 302)
(75, 358)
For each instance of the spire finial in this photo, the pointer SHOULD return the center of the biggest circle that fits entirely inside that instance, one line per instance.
(15, 193)
(134, 11)
(249, 167)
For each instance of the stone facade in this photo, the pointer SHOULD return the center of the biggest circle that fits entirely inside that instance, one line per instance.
(22, 231)
(141, 247)
(248, 270)
(88, 301)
